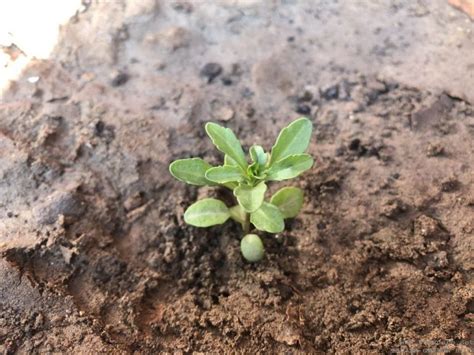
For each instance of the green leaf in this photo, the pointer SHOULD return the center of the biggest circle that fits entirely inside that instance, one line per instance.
(258, 155)
(289, 167)
(237, 213)
(229, 161)
(206, 212)
(226, 141)
(250, 198)
(191, 171)
(268, 218)
(252, 172)
(293, 139)
(289, 201)
(223, 174)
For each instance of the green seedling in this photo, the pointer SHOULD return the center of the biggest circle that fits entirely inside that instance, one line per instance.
(248, 181)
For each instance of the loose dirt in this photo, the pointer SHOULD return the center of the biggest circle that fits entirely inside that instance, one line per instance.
(96, 255)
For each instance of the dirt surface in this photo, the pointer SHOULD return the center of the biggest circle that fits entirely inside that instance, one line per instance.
(95, 253)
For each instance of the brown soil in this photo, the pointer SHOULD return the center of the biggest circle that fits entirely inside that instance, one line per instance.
(96, 256)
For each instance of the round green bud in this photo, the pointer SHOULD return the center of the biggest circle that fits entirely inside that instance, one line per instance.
(252, 248)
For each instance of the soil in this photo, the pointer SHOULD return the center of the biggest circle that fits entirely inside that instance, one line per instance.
(96, 256)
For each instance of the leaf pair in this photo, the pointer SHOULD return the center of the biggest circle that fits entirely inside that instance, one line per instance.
(209, 212)
(268, 217)
(285, 203)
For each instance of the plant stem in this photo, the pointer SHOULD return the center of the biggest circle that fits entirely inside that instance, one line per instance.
(246, 224)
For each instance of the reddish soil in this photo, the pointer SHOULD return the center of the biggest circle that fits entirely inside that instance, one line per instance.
(96, 256)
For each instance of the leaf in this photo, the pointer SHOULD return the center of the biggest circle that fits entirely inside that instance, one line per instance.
(226, 141)
(223, 174)
(237, 213)
(191, 171)
(268, 218)
(229, 161)
(258, 155)
(289, 201)
(293, 139)
(250, 198)
(206, 212)
(289, 167)
(253, 172)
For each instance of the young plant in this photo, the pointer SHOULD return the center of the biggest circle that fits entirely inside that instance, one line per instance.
(248, 181)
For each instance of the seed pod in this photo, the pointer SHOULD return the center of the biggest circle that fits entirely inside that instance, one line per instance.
(252, 248)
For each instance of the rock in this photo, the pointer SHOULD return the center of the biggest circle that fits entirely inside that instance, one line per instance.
(303, 109)
(356, 146)
(227, 80)
(211, 71)
(440, 260)
(428, 227)
(226, 113)
(330, 93)
(169, 254)
(222, 112)
(104, 131)
(64, 203)
(434, 150)
(67, 253)
(304, 96)
(118, 78)
(393, 208)
(249, 110)
(450, 185)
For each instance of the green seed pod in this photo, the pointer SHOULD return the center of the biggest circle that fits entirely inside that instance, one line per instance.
(252, 248)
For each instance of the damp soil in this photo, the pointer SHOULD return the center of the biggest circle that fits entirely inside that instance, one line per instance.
(96, 256)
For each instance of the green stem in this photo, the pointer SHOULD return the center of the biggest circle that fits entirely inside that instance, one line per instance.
(246, 224)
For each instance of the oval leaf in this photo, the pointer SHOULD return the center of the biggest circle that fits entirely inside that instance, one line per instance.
(223, 174)
(206, 212)
(289, 167)
(250, 198)
(289, 201)
(191, 171)
(226, 141)
(268, 218)
(293, 139)
(229, 161)
(237, 213)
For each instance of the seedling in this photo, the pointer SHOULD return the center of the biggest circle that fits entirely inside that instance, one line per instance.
(248, 181)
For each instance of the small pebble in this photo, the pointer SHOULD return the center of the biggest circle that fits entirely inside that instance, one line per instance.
(119, 78)
(224, 113)
(331, 93)
(303, 109)
(227, 81)
(211, 71)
